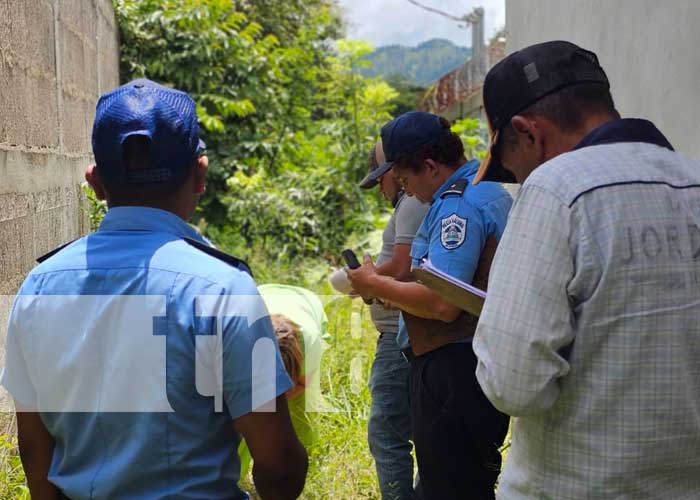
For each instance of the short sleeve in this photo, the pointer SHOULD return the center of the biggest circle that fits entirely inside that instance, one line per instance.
(457, 239)
(409, 215)
(15, 374)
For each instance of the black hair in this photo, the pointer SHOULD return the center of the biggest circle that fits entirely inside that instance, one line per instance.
(447, 149)
(136, 152)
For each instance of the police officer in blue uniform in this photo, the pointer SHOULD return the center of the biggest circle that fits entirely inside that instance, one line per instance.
(456, 430)
(137, 355)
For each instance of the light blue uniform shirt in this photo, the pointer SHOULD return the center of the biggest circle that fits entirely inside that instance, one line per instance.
(127, 399)
(455, 229)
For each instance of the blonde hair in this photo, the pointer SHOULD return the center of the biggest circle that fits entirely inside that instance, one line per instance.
(288, 335)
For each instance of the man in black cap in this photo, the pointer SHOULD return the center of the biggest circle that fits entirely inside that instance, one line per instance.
(389, 427)
(589, 331)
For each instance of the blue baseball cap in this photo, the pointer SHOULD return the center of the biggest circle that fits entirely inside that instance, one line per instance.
(165, 116)
(410, 132)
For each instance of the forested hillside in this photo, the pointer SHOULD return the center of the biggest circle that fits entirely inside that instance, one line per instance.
(420, 65)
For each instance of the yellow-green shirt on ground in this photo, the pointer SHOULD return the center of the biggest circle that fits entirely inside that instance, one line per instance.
(305, 309)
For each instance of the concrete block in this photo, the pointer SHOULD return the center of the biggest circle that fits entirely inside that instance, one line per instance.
(41, 212)
(27, 31)
(16, 233)
(40, 111)
(6, 402)
(79, 87)
(106, 10)
(78, 115)
(78, 62)
(107, 54)
(651, 59)
(28, 75)
(39, 222)
(80, 16)
(83, 221)
(25, 173)
(56, 218)
(29, 109)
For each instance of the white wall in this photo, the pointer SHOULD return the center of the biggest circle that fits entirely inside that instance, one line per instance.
(650, 50)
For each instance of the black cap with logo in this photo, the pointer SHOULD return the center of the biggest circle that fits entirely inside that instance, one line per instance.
(523, 78)
(377, 167)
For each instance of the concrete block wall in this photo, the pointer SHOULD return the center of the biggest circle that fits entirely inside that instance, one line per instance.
(648, 48)
(56, 57)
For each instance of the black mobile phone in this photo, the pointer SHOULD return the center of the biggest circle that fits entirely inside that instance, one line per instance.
(350, 258)
(353, 263)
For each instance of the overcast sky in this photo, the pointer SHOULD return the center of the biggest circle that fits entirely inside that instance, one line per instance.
(384, 22)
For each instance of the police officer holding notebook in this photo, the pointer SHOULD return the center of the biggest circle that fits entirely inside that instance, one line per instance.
(456, 430)
(130, 351)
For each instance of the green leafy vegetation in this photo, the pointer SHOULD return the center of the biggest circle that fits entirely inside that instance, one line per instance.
(94, 208)
(287, 117)
(409, 94)
(421, 65)
(13, 484)
(473, 133)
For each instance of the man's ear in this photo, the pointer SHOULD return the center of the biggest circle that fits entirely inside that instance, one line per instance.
(526, 129)
(200, 171)
(92, 176)
(432, 166)
(534, 134)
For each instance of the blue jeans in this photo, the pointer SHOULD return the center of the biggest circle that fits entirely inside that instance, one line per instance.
(389, 430)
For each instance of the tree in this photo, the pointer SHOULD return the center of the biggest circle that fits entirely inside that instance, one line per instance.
(310, 203)
(409, 94)
(286, 115)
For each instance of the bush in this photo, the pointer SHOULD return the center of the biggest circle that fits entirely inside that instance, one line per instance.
(287, 117)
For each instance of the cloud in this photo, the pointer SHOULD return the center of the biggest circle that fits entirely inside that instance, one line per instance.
(385, 22)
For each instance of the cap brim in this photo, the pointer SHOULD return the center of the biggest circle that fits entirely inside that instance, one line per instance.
(372, 178)
(491, 168)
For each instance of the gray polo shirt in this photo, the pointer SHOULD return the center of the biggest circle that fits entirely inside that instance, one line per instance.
(401, 229)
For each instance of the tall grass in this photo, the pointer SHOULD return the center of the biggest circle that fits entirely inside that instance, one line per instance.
(12, 481)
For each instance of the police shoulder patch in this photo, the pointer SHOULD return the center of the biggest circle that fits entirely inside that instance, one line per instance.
(53, 252)
(239, 264)
(456, 189)
(453, 231)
